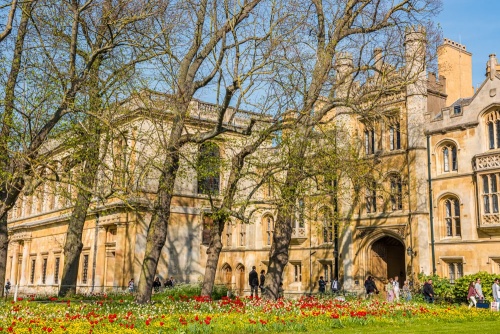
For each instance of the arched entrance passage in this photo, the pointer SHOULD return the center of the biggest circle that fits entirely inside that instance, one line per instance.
(387, 259)
(227, 275)
(240, 279)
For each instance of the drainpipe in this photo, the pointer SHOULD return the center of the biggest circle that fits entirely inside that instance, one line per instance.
(94, 260)
(431, 216)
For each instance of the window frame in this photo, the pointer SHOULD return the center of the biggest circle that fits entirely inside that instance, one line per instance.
(452, 217)
(85, 268)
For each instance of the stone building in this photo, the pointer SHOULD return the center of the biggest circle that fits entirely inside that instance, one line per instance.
(431, 202)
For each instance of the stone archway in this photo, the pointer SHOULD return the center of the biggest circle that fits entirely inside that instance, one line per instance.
(240, 279)
(387, 259)
(227, 275)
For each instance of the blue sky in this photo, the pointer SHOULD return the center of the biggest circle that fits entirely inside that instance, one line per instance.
(474, 23)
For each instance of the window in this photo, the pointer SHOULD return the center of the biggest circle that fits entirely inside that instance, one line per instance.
(111, 234)
(450, 152)
(32, 271)
(44, 270)
(327, 225)
(208, 168)
(369, 141)
(455, 271)
(229, 234)
(242, 234)
(371, 198)
(457, 110)
(56, 270)
(490, 193)
(493, 128)
(85, 268)
(394, 137)
(269, 226)
(396, 193)
(297, 272)
(491, 135)
(452, 217)
(206, 236)
(301, 213)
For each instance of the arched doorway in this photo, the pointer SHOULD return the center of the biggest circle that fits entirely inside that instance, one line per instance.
(240, 279)
(387, 259)
(227, 275)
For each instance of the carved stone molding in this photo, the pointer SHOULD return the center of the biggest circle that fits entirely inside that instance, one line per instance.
(363, 232)
(21, 235)
(485, 162)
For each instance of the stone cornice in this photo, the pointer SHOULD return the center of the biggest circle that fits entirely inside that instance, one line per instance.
(458, 127)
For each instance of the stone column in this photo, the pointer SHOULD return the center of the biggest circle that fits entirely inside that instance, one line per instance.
(14, 246)
(101, 259)
(120, 251)
(23, 280)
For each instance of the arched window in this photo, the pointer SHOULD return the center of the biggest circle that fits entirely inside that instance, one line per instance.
(396, 192)
(208, 169)
(229, 234)
(452, 217)
(449, 157)
(268, 223)
(492, 121)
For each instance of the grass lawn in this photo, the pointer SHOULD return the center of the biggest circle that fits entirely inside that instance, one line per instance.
(434, 328)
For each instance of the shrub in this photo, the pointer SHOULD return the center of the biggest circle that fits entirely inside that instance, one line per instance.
(188, 291)
(462, 285)
(442, 287)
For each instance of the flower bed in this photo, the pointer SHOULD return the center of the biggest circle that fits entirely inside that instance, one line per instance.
(200, 315)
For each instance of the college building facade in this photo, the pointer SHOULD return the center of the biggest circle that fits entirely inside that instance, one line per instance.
(431, 202)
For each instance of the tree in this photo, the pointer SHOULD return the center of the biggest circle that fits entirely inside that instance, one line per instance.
(218, 32)
(55, 70)
(106, 75)
(336, 27)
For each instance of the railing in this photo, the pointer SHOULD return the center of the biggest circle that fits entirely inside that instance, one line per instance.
(485, 161)
(490, 223)
(299, 235)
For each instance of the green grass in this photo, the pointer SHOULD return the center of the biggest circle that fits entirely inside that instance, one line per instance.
(434, 328)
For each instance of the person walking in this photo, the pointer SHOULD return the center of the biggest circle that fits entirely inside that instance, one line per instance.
(131, 286)
(390, 290)
(156, 284)
(7, 287)
(262, 281)
(253, 280)
(396, 288)
(471, 295)
(479, 289)
(322, 285)
(495, 289)
(370, 287)
(335, 285)
(406, 291)
(428, 291)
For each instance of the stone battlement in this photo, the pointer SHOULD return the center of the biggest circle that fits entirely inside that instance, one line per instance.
(453, 43)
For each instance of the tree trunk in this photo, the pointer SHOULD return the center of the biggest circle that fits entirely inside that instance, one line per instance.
(4, 243)
(157, 231)
(73, 245)
(11, 184)
(213, 253)
(278, 255)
